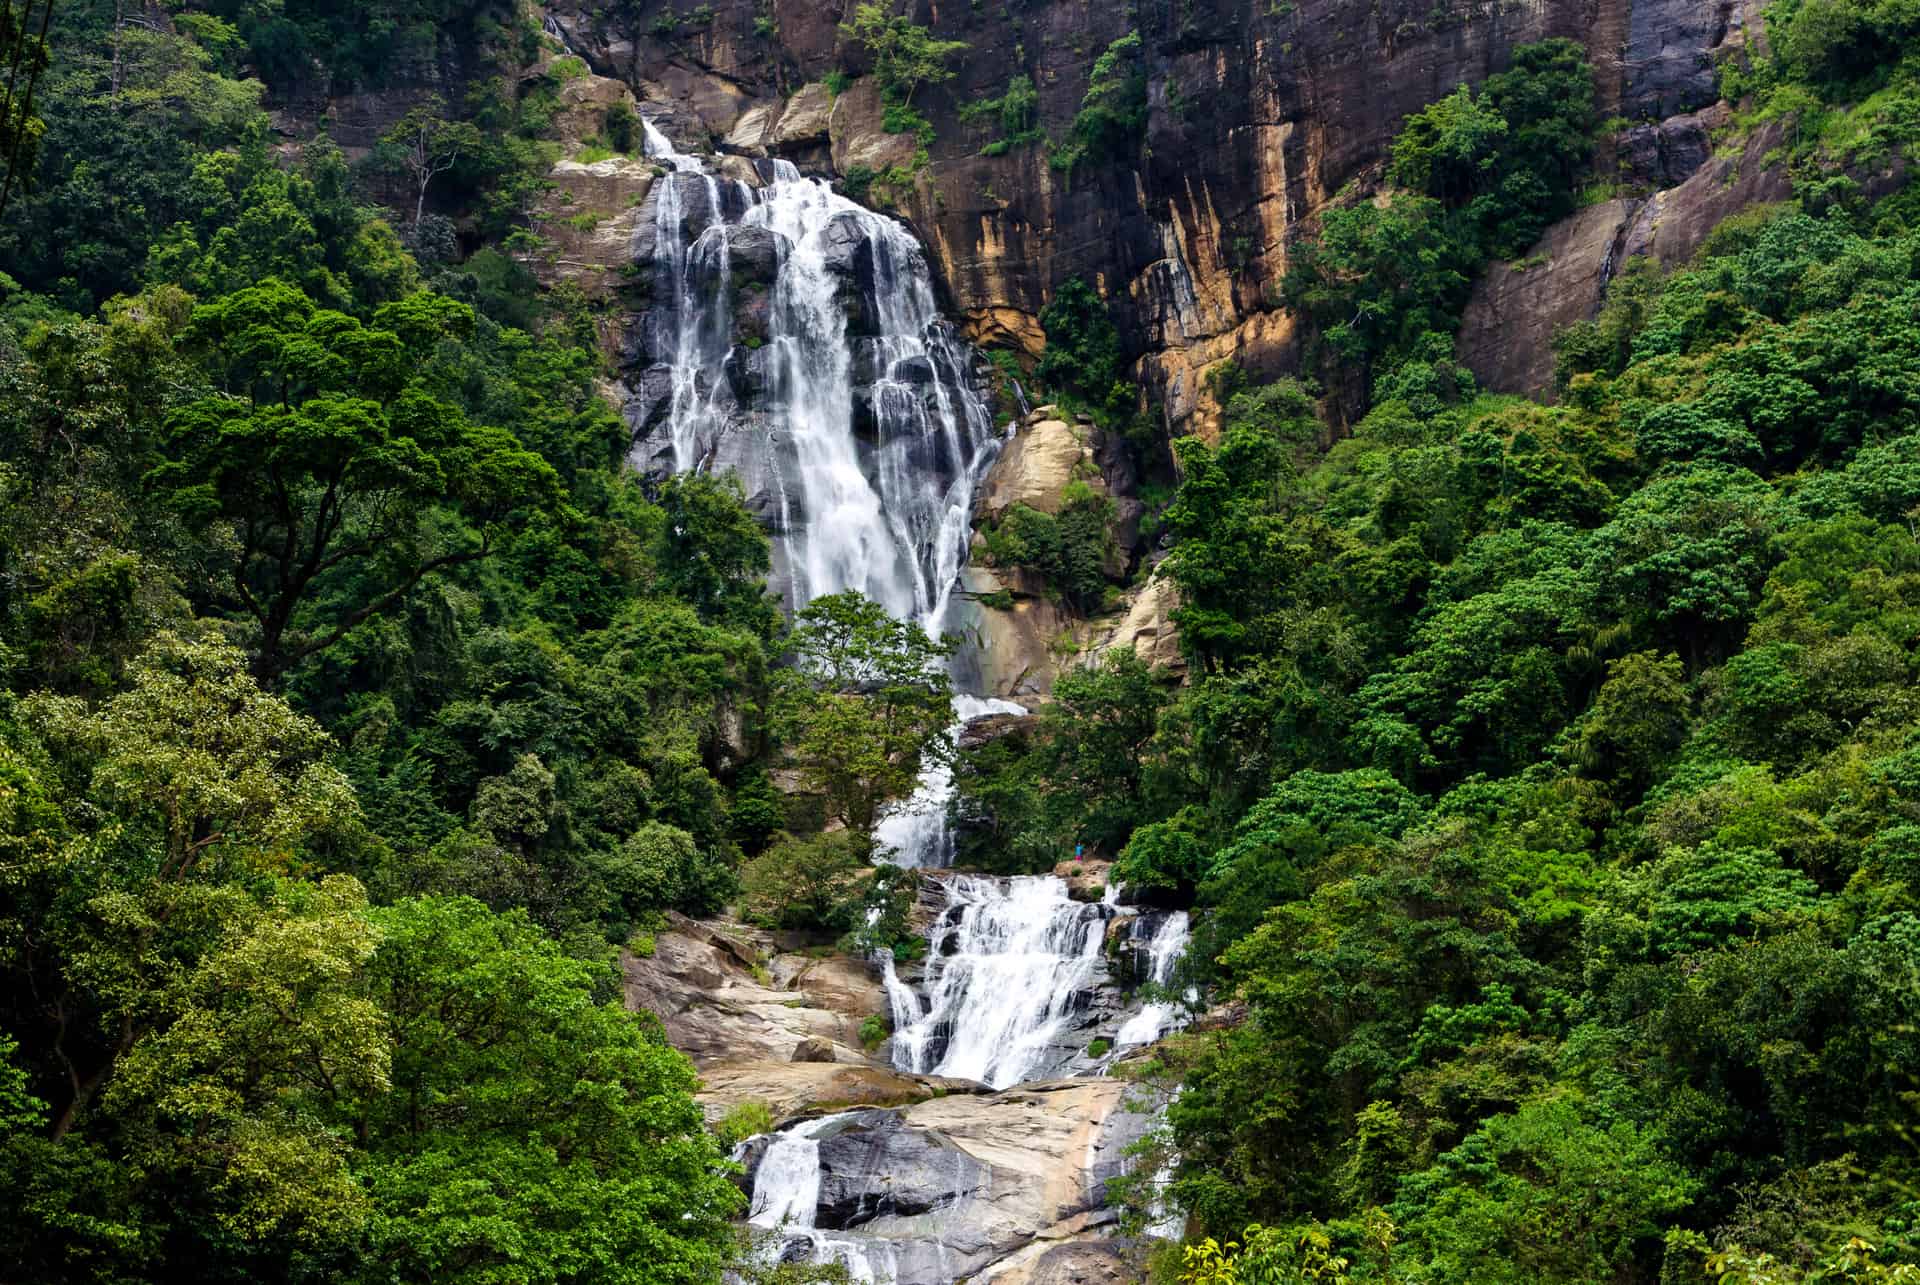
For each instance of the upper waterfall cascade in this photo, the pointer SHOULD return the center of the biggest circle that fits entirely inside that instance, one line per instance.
(857, 414)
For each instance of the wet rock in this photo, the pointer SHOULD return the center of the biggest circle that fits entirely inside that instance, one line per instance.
(1079, 1257)
(748, 374)
(752, 325)
(649, 401)
(877, 1165)
(1086, 879)
(684, 126)
(754, 254)
(1669, 55)
(1661, 154)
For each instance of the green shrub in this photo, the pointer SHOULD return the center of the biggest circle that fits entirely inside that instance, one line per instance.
(1100, 1048)
(873, 1032)
(622, 128)
(1112, 120)
(743, 1120)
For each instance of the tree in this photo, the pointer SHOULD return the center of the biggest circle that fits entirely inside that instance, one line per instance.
(23, 53)
(1239, 558)
(332, 468)
(809, 882)
(1544, 1194)
(529, 1129)
(905, 54)
(1449, 149)
(423, 145)
(1083, 355)
(868, 703)
(1097, 755)
(202, 781)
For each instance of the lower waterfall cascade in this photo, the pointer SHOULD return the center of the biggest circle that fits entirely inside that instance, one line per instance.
(859, 433)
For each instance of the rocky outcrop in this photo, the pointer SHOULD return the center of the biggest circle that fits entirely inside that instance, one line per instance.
(1036, 467)
(1259, 114)
(725, 993)
(792, 1089)
(993, 1185)
(1025, 646)
(1506, 333)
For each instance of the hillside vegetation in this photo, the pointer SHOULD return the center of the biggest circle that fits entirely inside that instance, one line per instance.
(1546, 783)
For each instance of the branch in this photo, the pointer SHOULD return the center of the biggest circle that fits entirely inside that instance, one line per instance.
(290, 658)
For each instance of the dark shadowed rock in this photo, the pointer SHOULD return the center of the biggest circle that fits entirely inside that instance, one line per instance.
(875, 1165)
(754, 253)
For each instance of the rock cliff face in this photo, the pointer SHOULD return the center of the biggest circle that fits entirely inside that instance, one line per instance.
(1260, 113)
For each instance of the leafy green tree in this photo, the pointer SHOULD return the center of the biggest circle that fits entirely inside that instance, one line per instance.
(807, 882)
(422, 146)
(1112, 119)
(327, 464)
(1451, 148)
(1238, 558)
(1098, 756)
(200, 780)
(510, 1081)
(869, 704)
(905, 55)
(1544, 1194)
(1083, 355)
(23, 50)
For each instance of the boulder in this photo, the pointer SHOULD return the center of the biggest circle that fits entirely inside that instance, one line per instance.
(1034, 468)
(857, 136)
(750, 133)
(754, 253)
(876, 1164)
(1086, 879)
(1147, 628)
(972, 1186)
(813, 1049)
(806, 120)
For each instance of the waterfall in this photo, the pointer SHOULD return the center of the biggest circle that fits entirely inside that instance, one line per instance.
(1164, 949)
(1022, 955)
(786, 1199)
(793, 339)
(861, 402)
(917, 831)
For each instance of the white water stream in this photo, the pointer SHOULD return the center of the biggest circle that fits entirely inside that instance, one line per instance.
(885, 524)
(1023, 951)
(1156, 1017)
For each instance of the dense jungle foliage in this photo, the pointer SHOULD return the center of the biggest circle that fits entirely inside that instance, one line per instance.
(1546, 783)
(360, 703)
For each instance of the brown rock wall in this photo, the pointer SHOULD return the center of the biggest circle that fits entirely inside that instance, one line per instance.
(1260, 114)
